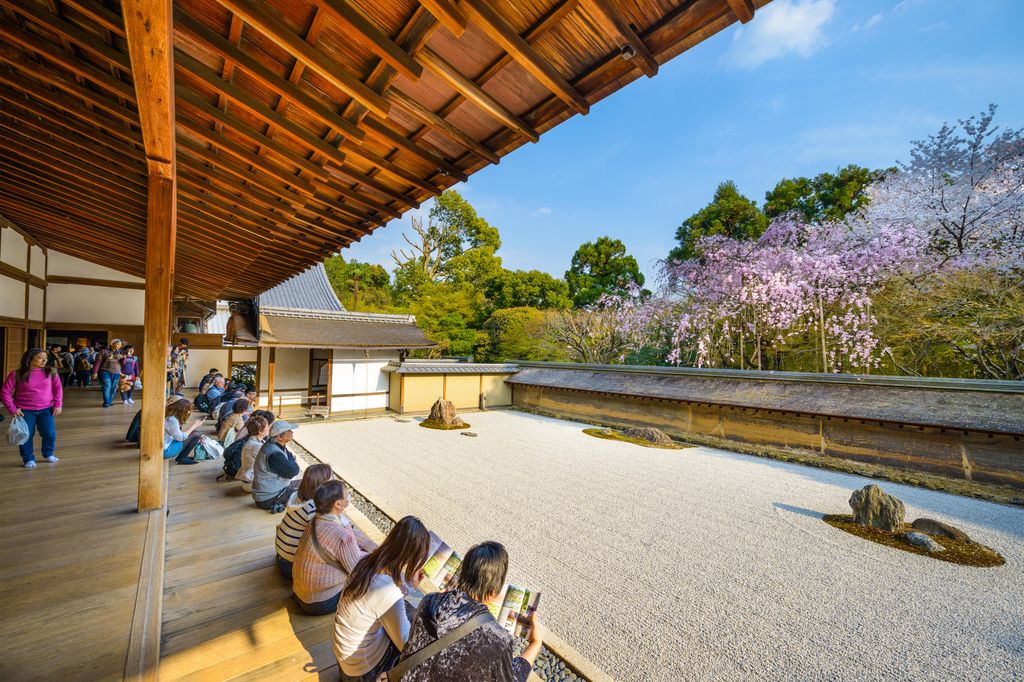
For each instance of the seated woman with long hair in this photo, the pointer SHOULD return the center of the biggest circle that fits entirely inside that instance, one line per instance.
(372, 625)
(179, 440)
(233, 422)
(301, 507)
(327, 553)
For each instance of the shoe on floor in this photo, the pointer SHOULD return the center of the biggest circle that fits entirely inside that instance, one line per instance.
(52, 459)
(30, 465)
(124, 402)
(186, 460)
(276, 509)
(130, 401)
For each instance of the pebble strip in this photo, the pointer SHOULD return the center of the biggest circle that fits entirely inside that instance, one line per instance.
(548, 666)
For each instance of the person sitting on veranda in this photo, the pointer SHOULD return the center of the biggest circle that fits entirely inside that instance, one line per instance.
(372, 623)
(255, 431)
(207, 378)
(235, 420)
(266, 414)
(486, 653)
(179, 440)
(327, 553)
(300, 509)
(216, 391)
(273, 474)
(222, 408)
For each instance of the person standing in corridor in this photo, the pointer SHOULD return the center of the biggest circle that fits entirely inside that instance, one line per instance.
(34, 393)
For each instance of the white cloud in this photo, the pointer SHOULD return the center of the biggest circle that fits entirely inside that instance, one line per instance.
(872, 21)
(905, 5)
(937, 26)
(543, 210)
(783, 27)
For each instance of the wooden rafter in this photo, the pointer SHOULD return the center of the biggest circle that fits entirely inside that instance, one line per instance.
(607, 9)
(743, 9)
(448, 13)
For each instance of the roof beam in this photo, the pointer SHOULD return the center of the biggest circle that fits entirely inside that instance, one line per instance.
(475, 93)
(256, 14)
(495, 26)
(743, 9)
(648, 64)
(449, 14)
(366, 32)
(429, 118)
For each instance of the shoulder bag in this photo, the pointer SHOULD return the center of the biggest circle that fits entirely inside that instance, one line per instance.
(438, 645)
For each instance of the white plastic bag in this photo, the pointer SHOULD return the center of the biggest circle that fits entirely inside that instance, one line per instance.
(211, 448)
(137, 386)
(17, 432)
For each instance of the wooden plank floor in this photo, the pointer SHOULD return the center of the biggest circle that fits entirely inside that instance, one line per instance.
(227, 613)
(70, 549)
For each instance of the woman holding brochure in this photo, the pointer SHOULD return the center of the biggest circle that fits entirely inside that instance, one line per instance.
(372, 625)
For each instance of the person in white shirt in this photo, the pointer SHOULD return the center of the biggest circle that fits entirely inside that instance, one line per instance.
(259, 428)
(372, 624)
(300, 509)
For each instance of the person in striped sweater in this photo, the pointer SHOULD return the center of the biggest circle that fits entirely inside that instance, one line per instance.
(327, 553)
(301, 508)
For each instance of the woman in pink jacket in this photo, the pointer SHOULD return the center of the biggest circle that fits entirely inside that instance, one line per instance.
(34, 391)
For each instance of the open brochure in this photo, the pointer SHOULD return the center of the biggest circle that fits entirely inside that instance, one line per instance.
(442, 568)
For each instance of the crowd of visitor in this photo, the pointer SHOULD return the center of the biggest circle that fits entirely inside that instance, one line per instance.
(333, 567)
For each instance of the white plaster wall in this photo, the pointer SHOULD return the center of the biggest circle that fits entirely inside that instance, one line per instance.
(38, 262)
(202, 359)
(76, 303)
(355, 373)
(244, 355)
(69, 266)
(13, 249)
(35, 303)
(291, 372)
(12, 296)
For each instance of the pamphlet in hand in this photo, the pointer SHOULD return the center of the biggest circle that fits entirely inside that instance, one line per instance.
(512, 607)
(443, 564)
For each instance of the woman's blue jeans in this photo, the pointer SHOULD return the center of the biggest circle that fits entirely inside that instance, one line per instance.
(43, 422)
(108, 382)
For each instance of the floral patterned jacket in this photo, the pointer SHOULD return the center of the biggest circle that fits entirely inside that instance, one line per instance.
(482, 656)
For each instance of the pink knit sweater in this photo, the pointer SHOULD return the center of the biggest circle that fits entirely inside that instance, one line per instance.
(39, 392)
(312, 579)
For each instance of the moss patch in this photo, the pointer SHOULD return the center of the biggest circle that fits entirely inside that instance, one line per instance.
(440, 426)
(609, 434)
(955, 552)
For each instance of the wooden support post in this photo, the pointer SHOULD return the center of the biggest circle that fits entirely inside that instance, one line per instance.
(330, 379)
(148, 29)
(271, 369)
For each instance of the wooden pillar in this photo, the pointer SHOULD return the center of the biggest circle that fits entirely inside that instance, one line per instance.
(148, 29)
(271, 370)
(330, 379)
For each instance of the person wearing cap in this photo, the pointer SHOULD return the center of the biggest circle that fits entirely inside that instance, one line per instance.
(273, 474)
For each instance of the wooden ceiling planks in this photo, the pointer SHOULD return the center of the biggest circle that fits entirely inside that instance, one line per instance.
(300, 128)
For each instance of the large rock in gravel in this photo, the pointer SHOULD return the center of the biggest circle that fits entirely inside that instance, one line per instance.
(443, 412)
(933, 527)
(923, 541)
(648, 433)
(872, 507)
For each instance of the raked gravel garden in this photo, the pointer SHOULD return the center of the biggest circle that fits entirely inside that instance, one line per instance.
(699, 563)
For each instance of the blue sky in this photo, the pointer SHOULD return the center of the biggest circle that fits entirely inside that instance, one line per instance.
(807, 86)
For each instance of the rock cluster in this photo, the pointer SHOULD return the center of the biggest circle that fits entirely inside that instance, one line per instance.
(872, 507)
(549, 667)
(443, 413)
(648, 433)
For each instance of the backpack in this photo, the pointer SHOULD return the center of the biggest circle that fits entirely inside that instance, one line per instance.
(135, 428)
(83, 364)
(202, 402)
(233, 459)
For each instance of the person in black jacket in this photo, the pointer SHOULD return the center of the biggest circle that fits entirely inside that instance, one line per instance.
(487, 652)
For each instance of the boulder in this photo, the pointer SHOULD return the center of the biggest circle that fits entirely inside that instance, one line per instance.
(923, 541)
(468, 433)
(933, 527)
(650, 434)
(443, 412)
(872, 507)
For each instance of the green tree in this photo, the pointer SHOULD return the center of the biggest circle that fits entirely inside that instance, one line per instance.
(453, 214)
(451, 316)
(532, 288)
(826, 197)
(359, 286)
(599, 268)
(517, 333)
(729, 214)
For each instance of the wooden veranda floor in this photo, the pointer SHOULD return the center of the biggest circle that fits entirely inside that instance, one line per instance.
(71, 546)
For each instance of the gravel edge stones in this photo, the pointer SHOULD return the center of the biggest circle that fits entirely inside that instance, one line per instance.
(548, 666)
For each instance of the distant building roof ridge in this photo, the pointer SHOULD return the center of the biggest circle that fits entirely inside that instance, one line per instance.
(309, 290)
(346, 315)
